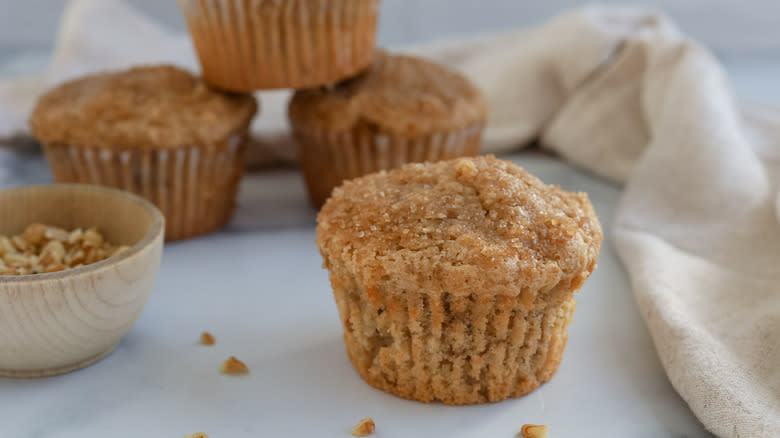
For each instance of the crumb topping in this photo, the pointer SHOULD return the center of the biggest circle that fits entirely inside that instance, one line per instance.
(470, 225)
(143, 107)
(399, 94)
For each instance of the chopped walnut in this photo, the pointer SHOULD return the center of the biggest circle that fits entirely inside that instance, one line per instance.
(75, 236)
(534, 431)
(6, 246)
(52, 253)
(197, 435)
(54, 233)
(41, 249)
(207, 338)
(466, 168)
(19, 243)
(365, 427)
(35, 234)
(92, 238)
(233, 367)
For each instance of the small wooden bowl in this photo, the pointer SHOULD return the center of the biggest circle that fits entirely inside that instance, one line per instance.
(59, 322)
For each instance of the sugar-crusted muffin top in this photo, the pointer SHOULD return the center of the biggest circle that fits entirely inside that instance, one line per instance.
(404, 95)
(143, 107)
(466, 226)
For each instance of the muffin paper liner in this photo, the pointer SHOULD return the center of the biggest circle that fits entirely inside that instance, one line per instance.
(246, 45)
(195, 188)
(455, 349)
(328, 158)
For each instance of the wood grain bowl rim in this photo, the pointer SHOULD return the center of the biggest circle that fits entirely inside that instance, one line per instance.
(157, 228)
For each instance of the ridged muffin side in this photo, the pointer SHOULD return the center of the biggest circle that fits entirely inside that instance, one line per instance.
(458, 350)
(194, 188)
(246, 45)
(455, 281)
(328, 158)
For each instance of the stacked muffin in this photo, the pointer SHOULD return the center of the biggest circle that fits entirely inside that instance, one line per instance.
(401, 110)
(246, 45)
(356, 111)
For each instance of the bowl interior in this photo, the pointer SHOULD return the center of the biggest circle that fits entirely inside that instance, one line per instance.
(122, 218)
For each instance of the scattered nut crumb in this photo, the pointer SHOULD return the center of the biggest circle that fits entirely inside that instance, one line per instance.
(233, 367)
(534, 431)
(42, 248)
(207, 338)
(197, 435)
(365, 427)
(92, 238)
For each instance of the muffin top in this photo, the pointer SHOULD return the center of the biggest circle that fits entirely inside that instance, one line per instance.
(144, 107)
(466, 226)
(403, 95)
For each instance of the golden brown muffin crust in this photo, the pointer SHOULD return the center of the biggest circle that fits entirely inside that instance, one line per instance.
(469, 225)
(401, 94)
(143, 107)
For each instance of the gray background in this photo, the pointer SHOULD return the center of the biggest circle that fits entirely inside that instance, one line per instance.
(730, 27)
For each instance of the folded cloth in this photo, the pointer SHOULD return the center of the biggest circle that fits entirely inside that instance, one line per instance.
(622, 93)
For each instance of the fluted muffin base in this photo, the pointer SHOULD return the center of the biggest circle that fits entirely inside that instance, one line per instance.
(454, 349)
(195, 188)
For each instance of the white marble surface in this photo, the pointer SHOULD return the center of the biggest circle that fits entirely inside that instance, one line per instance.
(258, 287)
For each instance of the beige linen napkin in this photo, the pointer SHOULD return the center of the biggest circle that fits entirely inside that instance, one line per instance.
(620, 92)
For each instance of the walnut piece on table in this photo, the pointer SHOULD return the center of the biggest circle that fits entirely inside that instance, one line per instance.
(233, 367)
(197, 435)
(534, 431)
(207, 338)
(364, 427)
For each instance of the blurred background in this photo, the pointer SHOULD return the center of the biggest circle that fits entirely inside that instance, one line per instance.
(745, 35)
(730, 27)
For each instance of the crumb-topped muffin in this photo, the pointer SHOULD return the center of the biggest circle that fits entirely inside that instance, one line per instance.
(403, 109)
(455, 280)
(246, 45)
(157, 131)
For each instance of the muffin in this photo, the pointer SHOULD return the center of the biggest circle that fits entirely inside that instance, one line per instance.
(455, 280)
(246, 45)
(157, 131)
(403, 109)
